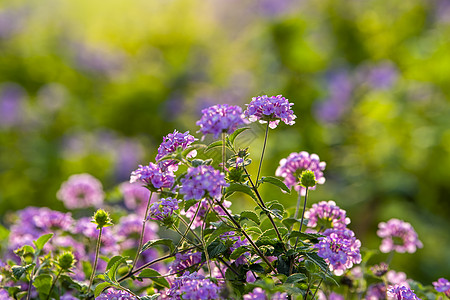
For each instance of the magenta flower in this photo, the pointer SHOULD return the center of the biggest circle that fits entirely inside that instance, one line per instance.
(324, 215)
(202, 181)
(112, 294)
(81, 190)
(291, 167)
(398, 236)
(340, 249)
(270, 109)
(135, 197)
(399, 292)
(170, 144)
(163, 209)
(442, 286)
(152, 175)
(220, 118)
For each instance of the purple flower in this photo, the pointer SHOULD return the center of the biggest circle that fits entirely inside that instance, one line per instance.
(12, 98)
(270, 109)
(185, 260)
(279, 296)
(193, 286)
(4, 295)
(112, 294)
(442, 286)
(291, 167)
(324, 215)
(340, 249)
(135, 197)
(163, 209)
(237, 243)
(398, 236)
(399, 292)
(198, 221)
(152, 175)
(81, 190)
(128, 229)
(397, 278)
(170, 144)
(202, 181)
(376, 292)
(257, 294)
(331, 296)
(220, 118)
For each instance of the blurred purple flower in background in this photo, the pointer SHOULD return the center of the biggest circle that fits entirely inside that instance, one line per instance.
(112, 294)
(135, 197)
(442, 286)
(81, 190)
(12, 20)
(398, 292)
(332, 296)
(398, 236)
(380, 76)
(12, 98)
(128, 153)
(257, 294)
(98, 60)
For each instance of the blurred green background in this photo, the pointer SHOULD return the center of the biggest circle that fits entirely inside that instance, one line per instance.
(93, 86)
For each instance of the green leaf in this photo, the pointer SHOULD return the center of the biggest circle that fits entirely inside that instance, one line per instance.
(100, 287)
(113, 260)
(216, 248)
(288, 222)
(277, 209)
(18, 271)
(256, 230)
(319, 261)
(313, 237)
(43, 283)
(166, 242)
(222, 228)
(152, 297)
(213, 145)
(42, 240)
(191, 148)
(237, 132)
(294, 278)
(155, 276)
(277, 182)
(237, 187)
(238, 252)
(189, 203)
(247, 214)
(113, 266)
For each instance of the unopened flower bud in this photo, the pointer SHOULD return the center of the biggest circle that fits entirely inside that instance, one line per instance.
(66, 260)
(102, 219)
(308, 179)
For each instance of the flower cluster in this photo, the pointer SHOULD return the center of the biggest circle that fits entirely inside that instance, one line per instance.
(270, 109)
(185, 260)
(135, 196)
(220, 118)
(237, 243)
(112, 294)
(340, 249)
(324, 215)
(193, 286)
(442, 286)
(81, 190)
(204, 204)
(170, 144)
(202, 181)
(398, 236)
(291, 168)
(163, 209)
(401, 292)
(153, 175)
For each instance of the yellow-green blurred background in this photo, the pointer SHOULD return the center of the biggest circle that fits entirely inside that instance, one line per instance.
(93, 86)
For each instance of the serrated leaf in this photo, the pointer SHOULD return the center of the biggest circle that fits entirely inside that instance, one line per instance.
(42, 240)
(313, 237)
(237, 132)
(189, 203)
(113, 260)
(113, 266)
(294, 278)
(277, 207)
(271, 233)
(152, 297)
(288, 222)
(216, 248)
(319, 261)
(238, 252)
(18, 271)
(222, 228)
(100, 287)
(155, 276)
(167, 242)
(213, 145)
(237, 187)
(256, 230)
(247, 214)
(277, 182)
(42, 283)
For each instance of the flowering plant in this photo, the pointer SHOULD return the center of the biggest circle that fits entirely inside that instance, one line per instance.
(271, 252)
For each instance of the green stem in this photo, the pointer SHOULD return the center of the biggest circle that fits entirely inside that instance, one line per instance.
(223, 152)
(97, 250)
(204, 245)
(320, 282)
(297, 208)
(141, 237)
(190, 224)
(53, 284)
(30, 284)
(307, 290)
(303, 215)
(262, 153)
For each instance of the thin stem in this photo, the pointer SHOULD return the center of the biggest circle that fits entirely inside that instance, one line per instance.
(223, 152)
(307, 290)
(141, 237)
(53, 284)
(262, 153)
(97, 250)
(303, 215)
(320, 282)
(297, 208)
(190, 224)
(247, 237)
(204, 245)
(30, 284)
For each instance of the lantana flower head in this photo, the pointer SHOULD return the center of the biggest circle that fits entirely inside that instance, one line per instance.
(398, 236)
(204, 204)
(163, 209)
(220, 118)
(202, 181)
(326, 215)
(290, 169)
(152, 175)
(270, 109)
(340, 249)
(185, 260)
(193, 286)
(170, 144)
(400, 292)
(442, 286)
(113, 294)
(81, 190)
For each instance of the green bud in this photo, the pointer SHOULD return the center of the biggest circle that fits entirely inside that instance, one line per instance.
(308, 179)
(66, 260)
(102, 219)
